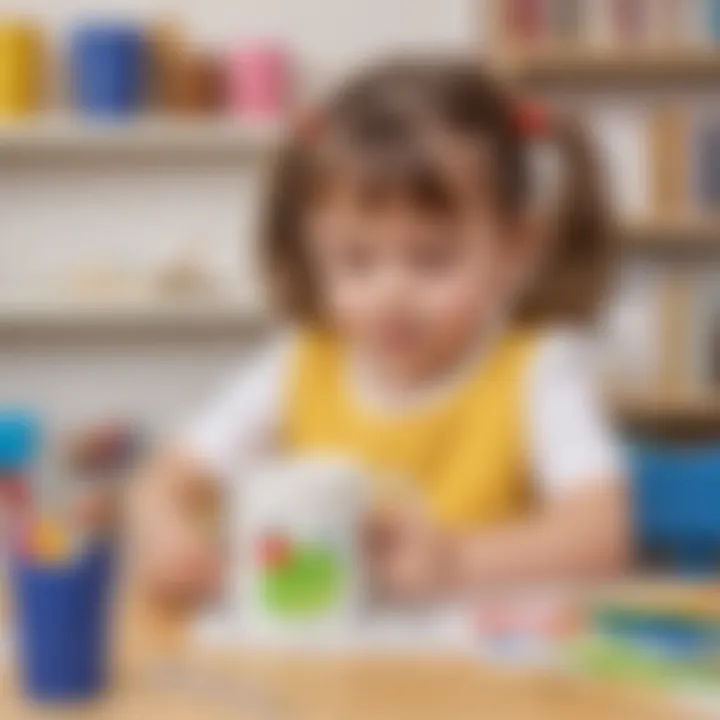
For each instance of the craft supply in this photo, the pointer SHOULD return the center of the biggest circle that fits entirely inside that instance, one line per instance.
(20, 68)
(105, 450)
(528, 629)
(109, 64)
(654, 635)
(19, 443)
(184, 80)
(48, 542)
(259, 81)
(167, 47)
(62, 624)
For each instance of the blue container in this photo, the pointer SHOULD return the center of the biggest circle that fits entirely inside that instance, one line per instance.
(62, 625)
(676, 502)
(109, 67)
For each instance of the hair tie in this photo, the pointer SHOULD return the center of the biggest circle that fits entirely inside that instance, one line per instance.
(546, 171)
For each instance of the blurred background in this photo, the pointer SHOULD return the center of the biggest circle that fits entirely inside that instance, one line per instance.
(135, 136)
(126, 261)
(134, 141)
(127, 268)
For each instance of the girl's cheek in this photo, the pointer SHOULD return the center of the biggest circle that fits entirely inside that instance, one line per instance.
(350, 306)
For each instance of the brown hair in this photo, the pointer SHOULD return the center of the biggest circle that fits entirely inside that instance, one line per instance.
(382, 119)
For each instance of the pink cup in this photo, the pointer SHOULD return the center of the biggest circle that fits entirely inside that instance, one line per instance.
(259, 81)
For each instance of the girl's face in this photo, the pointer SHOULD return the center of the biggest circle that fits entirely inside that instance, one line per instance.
(411, 289)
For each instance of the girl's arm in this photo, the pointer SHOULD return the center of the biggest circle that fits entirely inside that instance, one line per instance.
(175, 503)
(580, 526)
(582, 536)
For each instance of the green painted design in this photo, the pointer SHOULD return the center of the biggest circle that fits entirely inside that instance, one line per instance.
(306, 586)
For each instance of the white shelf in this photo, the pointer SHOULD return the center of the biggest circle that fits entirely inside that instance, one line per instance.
(61, 135)
(141, 316)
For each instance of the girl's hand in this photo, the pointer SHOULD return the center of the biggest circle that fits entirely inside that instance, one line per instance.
(176, 556)
(408, 557)
(179, 565)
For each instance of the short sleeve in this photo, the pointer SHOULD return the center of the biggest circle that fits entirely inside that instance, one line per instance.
(572, 443)
(242, 421)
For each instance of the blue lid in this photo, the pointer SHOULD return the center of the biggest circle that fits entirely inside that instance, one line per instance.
(19, 439)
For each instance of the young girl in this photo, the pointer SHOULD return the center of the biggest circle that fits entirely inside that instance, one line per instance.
(440, 277)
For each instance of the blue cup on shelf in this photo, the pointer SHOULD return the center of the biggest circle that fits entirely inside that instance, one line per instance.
(62, 625)
(109, 69)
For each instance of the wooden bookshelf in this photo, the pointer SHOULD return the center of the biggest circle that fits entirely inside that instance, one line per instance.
(672, 233)
(691, 412)
(587, 63)
(216, 315)
(583, 66)
(75, 139)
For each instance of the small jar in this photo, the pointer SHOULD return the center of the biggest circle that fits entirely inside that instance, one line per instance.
(259, 82)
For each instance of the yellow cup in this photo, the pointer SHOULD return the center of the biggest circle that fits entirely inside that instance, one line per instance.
(21, 49)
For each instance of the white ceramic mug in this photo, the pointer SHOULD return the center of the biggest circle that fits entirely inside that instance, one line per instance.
(299, 539)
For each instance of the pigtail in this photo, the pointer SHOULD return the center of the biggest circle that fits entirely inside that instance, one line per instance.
(574, 280)
(281, 246)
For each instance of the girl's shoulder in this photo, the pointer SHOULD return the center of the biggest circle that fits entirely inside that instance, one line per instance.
(569, 348)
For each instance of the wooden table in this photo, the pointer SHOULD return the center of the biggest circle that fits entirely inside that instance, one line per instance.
(162, 677)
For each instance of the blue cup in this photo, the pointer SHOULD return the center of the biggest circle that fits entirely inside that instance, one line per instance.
(109, 64)
(62, 625)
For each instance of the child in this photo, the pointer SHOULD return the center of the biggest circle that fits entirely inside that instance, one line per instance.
(440, 284)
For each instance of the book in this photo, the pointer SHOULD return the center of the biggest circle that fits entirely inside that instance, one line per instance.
(630, 20)
(705, 161)
(566, 20)
(633, 331)
(620, 134)
(525, 21)
(668, 161)
(705, 331)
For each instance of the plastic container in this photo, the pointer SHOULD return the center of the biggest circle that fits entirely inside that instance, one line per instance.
(676, 496)
(259, 81)
(62, 625)
(21, 49)
(19, 445)
(110, 67)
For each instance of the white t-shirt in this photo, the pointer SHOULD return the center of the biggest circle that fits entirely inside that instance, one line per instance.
(570, 442)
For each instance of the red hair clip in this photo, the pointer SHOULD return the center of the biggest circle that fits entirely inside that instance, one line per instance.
(533, 120)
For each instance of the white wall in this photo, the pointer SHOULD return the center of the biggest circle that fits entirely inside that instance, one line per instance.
(53, 217)
(331, 33)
